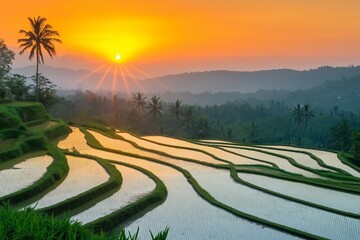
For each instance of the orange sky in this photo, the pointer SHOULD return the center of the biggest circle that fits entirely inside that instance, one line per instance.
(175, 36)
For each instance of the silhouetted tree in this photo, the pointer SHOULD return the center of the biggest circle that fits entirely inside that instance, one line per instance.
(155, 106)
(6, 58)
(175, 110)
(202, 128)
(45, 88)
(355, 148)
(252, 132)
(230, 133)
(40, 36)
(16, 84)
(340, 136)
(297, 114)
(188, 117)
(308, 114)
(139, 101)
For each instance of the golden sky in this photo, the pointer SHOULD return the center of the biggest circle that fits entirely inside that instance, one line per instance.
(189, 35)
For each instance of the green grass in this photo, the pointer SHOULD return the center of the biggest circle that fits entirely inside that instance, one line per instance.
(7, 144)
(29, 224)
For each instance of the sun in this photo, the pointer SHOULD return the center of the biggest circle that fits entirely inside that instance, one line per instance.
(117, 57)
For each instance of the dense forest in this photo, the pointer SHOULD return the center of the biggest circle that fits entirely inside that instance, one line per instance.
(244, 121)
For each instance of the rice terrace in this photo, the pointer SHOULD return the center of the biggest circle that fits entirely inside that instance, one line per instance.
(179, 120)
(107, 178)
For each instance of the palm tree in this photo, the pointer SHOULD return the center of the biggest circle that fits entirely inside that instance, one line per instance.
(188, 117)
(253, 131)
(297, 113)
(308, 114)
(40, 36)
(139, 101)
(175, 109)
(202, 128)
(229, 133)
(155, 106)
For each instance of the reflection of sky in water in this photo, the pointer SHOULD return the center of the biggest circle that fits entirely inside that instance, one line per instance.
(280, 162)
(328, 158)
(300, 158)
(79, 179)
(221, 186)
(187, 215)
(23, 174)
(192, 154)
(330, 198)
(183, 203)
(135, 184)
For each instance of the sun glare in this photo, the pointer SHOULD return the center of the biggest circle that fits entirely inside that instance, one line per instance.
(117, 57)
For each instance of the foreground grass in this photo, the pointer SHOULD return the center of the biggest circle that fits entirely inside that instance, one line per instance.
(29, 224)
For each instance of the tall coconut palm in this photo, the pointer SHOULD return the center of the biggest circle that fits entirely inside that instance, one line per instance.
(139, 101)
(155, 106)
(297, 113)
(175, 110)
(252, 131)
(41, 36)
(188, 117)
(308, 114)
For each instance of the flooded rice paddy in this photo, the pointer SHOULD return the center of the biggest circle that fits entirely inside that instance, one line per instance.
(135, 185)
(179, 152)
(23, 174)
(186, 213)
(282, 163)
(191, 216)
(329, 158)
(81, 177)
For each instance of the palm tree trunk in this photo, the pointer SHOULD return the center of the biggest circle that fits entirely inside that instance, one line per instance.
(37, 77)
(188, 128)
(178, 127)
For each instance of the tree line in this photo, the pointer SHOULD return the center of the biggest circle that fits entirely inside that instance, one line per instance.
(271, 122)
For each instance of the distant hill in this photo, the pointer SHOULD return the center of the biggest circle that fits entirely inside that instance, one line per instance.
(229, 81)
(344, 94)
(198, 82)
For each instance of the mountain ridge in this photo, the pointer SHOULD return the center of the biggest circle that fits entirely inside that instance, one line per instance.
(197, 82)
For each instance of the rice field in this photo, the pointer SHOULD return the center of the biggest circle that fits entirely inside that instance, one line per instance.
(84, 174)
(23, 174)
(328, 158)
(300, 158)
(282, 163)
(274, 198)
(135, 184)
(325, 197)
(180, 152)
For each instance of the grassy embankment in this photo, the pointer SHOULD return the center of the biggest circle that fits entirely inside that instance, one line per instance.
(25, 131)
(14, 118)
